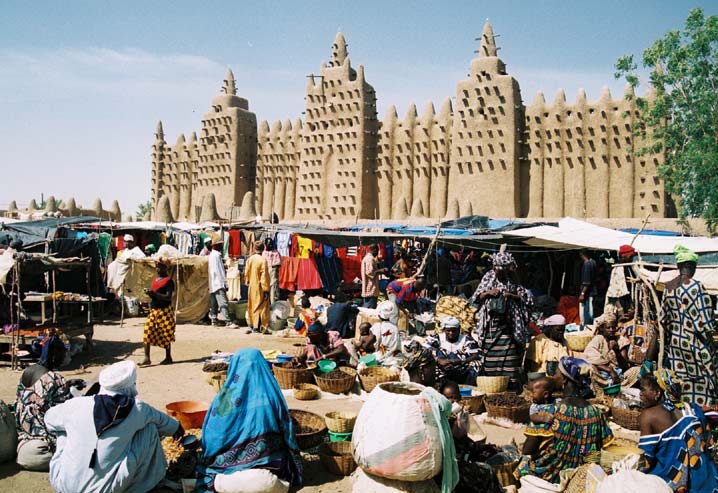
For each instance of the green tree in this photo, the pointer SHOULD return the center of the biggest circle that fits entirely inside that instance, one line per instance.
(679, 116)
(143, 209)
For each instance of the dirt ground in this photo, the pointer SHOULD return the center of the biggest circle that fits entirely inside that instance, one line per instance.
(184, 380)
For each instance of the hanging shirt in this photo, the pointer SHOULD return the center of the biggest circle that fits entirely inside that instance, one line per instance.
(305, 247)
(274, 259)
(217, 277)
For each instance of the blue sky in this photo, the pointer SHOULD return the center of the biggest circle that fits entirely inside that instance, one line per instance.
(83, 83)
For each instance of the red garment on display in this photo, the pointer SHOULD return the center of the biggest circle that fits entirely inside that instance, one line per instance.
(568, 307)
(288, 272)
(351, 266)
(308, 277)
(235, 243)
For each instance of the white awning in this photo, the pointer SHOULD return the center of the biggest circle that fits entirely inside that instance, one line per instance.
(572, 233)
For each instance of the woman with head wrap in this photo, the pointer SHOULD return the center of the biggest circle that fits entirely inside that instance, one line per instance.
(675, 437)
(324, 344)
(248, 427)
(502, 322)
(578, 428)
(109, 442)
(457, 354)
(40, 388)
(160, 324)
(388, 341)
(687, 316)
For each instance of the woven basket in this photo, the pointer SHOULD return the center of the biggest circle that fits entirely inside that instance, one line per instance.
(628, 418)
(617, 451)
(340, 385)
(338, 458)
(340, 422)
(517, 414)
(505, 473)
(577, 484)
(374, 375)
(578, 342)
(298, 349)
(311, 429)
(287, 377)
(216, 379)
(493, 385)
(305, 392)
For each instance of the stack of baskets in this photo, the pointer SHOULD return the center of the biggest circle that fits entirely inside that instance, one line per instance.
(492, 385)
(306, 392)
(578, 342)
(309, 428)
(287, 376)
(339, 381)
(338, 458)
(341, 425)
(216, 372)
(628, 418)
(475, 401)
(374, 375)
(517, 411)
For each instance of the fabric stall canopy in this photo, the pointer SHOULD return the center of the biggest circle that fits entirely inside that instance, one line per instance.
(191, 278)
(572, 234)
(33, 233)
(708, 276)
(341, 239)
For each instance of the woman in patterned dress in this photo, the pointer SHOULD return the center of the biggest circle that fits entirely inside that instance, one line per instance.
(160, 324)
(502, 322)
(578, 428)
(687, 316)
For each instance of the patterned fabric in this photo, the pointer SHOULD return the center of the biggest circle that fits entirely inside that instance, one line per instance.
(542, 349)
(502, 259)
(248, 426)
(687, 316)
(160, 327)
(33, 402)
(500, 355)
(403, 289)
(680, 454)
(458, 352)
(577, 432)
(517, 315)
(639, 336)
(542, 430)
(671, 387)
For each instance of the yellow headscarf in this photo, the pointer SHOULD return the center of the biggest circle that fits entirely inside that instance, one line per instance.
(672, 388)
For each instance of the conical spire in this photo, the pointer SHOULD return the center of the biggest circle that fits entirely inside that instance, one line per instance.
(581, 96)
(247, 209)
(488, 42)
(539, 99)
(229, 85)
(446, 110)
(159, 133)
(164, 212)
(339, 51)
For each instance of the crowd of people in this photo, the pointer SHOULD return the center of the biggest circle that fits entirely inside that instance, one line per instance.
(109, 440)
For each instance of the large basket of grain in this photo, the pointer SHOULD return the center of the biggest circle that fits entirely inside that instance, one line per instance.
(339, 381)
(509, 406)
(288, 376)
(396, 435)
(374, 375)
(309, 428)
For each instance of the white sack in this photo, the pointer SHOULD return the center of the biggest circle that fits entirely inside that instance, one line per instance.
(366, 483)
(250, 481)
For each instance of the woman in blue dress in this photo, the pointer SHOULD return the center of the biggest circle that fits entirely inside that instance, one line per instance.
(675, 437)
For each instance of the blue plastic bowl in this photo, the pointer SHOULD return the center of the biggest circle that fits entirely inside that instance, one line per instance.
(465, 391)
(284, 358)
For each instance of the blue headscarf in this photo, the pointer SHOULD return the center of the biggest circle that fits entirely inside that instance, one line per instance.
(248, 425)
(579, 372)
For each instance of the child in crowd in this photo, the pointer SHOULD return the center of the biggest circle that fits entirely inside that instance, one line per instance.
(365, 345)
(538, 432)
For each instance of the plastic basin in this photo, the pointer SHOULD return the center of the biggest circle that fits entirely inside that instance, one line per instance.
(325, 365)
(284, 358)
(190, 414)
(368, 360)
(465, 391)
(339, 437)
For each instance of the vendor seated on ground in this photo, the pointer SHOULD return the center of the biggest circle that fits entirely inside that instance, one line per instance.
(324, 344)
(109, 442)
(606, 353)
(248, 435)
(341, 314)
(388, 341)
(538, 432)
(675, 437)
(578, 428)
(549, 346)
(307, 316)
(405, 292)
(39, 389)
(421, 365)
(457, 354)
(366, 342)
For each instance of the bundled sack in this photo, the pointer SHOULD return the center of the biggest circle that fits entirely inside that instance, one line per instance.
(398, 434)
(366, 483)
(627, 481)
(250, 481)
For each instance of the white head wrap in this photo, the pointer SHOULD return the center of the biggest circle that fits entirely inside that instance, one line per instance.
(557, 319)
(386, 310)
(120, 378)
(128, 238)
(447, 322)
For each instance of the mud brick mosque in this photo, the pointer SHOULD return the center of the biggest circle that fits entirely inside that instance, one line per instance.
(487, 154)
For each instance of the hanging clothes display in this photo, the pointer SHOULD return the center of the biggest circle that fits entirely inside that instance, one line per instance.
(103, 244)
(304, 246)
(282, 240)
(330, 271)
(288, 272)
(247, 247)
(308, 276)
(235, 243)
